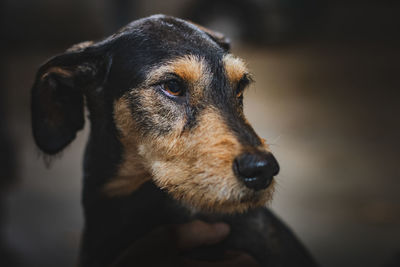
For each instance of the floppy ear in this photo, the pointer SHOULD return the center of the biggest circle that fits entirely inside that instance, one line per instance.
(218, 37)
(57, 98)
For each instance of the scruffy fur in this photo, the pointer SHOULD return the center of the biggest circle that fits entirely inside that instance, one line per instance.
(165, 102)
(193, 166)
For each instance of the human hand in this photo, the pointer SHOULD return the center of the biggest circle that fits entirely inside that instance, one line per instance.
(165, 245)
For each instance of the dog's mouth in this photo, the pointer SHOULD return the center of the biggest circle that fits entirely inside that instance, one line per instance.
(255, 198)
(226, 197)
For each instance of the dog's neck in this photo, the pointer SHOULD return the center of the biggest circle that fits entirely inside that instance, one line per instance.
(115, 221)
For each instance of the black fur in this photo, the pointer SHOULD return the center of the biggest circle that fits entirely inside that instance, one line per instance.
(102, 73)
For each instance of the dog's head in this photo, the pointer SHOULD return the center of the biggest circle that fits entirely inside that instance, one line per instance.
(175, 95)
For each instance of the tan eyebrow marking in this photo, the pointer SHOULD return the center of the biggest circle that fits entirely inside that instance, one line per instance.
(235, 68)
(190, 68)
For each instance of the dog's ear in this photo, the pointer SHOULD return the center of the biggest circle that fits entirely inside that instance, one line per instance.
(57, 98)
(218, 37)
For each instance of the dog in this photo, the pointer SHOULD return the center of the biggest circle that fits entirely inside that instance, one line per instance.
(168, 144)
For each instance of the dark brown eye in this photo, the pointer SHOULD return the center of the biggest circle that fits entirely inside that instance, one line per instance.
(173, 88)
(242, 84)
(239, 93)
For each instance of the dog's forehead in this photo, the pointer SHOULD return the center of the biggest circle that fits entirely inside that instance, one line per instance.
(172, 35)
(170, 44)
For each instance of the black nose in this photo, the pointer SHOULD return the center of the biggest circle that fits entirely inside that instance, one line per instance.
(256, 170)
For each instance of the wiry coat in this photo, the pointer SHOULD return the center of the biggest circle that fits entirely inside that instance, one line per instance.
(154, 158)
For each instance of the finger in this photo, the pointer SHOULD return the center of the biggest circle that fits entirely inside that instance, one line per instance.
(198, 233)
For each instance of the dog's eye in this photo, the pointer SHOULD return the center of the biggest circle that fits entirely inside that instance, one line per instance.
(239, 93)
(173, 88)
(242, 84)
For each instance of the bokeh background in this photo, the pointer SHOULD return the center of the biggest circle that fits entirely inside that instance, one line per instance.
(326, 98)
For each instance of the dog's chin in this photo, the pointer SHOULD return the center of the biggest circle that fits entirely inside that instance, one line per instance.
(247, 201)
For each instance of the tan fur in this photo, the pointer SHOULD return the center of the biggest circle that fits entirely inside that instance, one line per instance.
(131, 174)
(189, 68)
(235, 68)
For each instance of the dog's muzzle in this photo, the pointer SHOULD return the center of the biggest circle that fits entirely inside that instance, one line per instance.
(256, 170)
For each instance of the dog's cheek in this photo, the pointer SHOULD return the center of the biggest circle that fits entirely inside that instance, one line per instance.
(154, 113)
(193, 187)
(123, 118)
(197, 178)
(131, 173)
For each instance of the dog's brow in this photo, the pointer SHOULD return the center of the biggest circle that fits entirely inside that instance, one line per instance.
(189, 68)
(235, 68)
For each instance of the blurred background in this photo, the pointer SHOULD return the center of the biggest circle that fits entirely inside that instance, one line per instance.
(326, 98)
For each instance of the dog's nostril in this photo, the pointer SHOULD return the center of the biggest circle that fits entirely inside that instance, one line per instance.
(256, 170)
